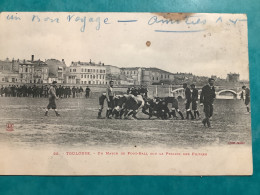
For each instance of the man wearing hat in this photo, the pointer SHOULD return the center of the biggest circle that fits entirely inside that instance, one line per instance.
(52, 99)
(206, 99)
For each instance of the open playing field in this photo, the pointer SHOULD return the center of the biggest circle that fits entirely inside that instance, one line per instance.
(79, 126)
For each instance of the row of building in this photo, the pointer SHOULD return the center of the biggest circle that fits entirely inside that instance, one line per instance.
(86, 73)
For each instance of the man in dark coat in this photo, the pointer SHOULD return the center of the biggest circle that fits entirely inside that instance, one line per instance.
(206, 99)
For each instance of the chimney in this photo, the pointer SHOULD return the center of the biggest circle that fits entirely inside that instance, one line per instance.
(32, 58)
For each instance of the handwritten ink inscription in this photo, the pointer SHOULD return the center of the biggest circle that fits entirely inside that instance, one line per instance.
(190, 21)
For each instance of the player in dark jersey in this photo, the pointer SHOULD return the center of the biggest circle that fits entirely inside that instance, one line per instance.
(194, 100)
(245, 96)
(101, 104)
(175, 107)
(187, 101)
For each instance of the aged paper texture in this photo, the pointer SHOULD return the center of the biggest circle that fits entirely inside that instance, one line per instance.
(124, 94)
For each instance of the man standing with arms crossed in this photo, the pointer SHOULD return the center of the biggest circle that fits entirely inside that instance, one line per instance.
(110, 99)
(206, 99)
(52, 99)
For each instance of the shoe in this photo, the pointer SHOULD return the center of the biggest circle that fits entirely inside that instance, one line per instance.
(46, 114)
(204, 123)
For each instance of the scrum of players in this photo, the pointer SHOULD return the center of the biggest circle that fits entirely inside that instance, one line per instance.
(136, 100)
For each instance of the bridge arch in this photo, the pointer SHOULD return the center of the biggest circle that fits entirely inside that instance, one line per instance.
(179, 93)
(219, 93)
(227, 90)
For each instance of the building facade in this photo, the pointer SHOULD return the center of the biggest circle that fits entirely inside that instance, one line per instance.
(57, 70)
(86, 73)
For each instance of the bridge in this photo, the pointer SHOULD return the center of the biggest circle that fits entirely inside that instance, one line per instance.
(221, 92)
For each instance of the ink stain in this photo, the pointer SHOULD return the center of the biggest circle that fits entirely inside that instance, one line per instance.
(175, 16)
(148, 43)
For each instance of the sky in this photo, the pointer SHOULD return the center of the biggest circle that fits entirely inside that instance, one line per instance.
(202, 44)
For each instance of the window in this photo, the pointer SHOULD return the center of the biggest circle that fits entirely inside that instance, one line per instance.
(84, 76)
(161, 76)
(89, 82)
(88, 70)
(85, 82)
(81, 82)
(88, 76)
(94, 70)
(94, 77)
(91, 76)
(85, 70)
(82, 70)
(97, 70)
(70, 70)
(26, 69)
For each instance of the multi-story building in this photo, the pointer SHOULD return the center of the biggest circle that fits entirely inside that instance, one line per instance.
(156, 76)
(33, 71)
(9, 77)
(147, 76)
(5, 65)
(233, 77)
(134, 73)
(86, 73)
(57, 70)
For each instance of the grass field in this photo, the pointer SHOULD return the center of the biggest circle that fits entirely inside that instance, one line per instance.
(79, 126)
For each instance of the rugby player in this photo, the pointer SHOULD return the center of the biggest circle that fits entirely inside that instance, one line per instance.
(101, 104)
(52, 99)
(110, 99)
(187, 101)
(194, 100)
(245, 96)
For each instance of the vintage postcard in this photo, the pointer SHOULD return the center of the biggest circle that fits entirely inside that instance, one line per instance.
(124, 94)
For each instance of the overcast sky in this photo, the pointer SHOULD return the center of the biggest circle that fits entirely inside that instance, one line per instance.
(212, 48)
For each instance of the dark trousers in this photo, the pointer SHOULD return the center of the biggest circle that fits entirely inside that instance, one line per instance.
(208, 110)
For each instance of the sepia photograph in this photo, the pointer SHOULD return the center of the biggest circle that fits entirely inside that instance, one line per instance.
(124, 94)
